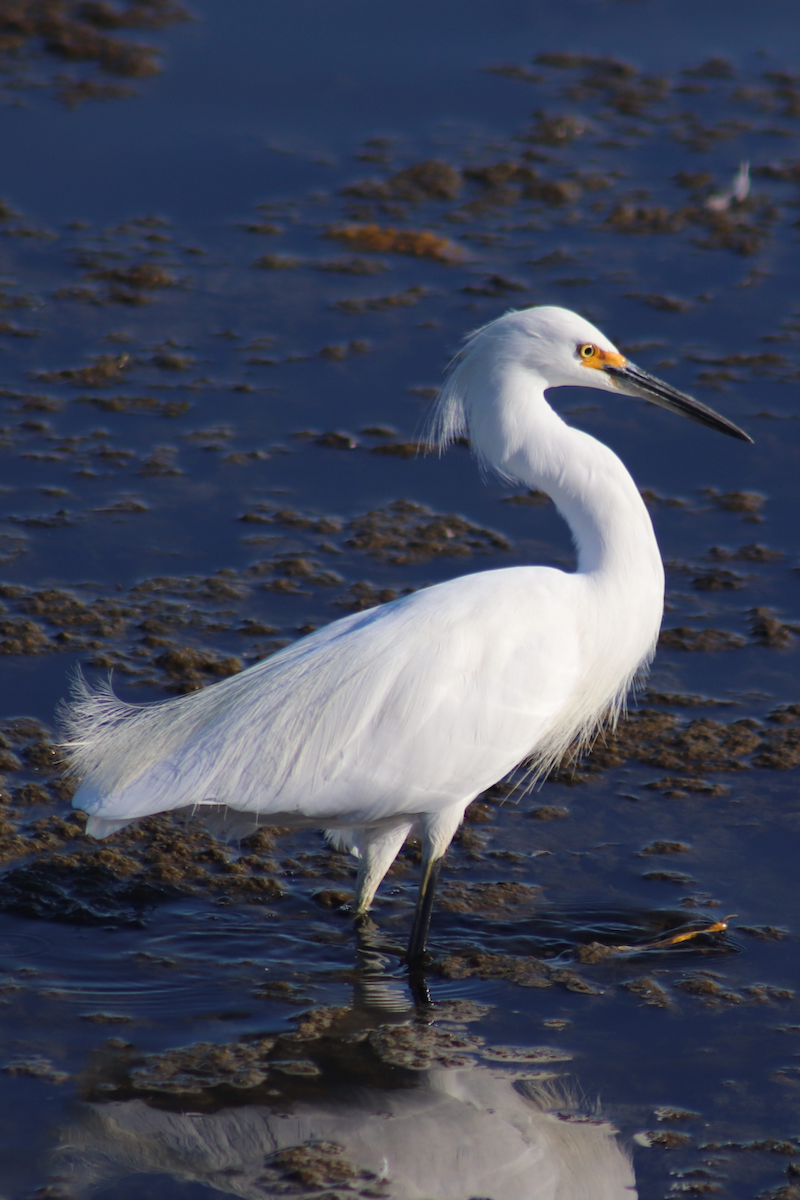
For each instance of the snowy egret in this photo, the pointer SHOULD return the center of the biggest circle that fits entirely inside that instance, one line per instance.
(388, 723)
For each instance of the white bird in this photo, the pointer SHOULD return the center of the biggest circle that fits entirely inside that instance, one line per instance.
(737, 193)
(388, 723)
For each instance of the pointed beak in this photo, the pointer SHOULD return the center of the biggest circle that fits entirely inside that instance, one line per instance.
(635, 382)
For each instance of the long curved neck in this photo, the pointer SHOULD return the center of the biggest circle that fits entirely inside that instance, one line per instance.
(589, 485)
(595, 495)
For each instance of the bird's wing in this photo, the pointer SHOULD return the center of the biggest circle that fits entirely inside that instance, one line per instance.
(405, 708)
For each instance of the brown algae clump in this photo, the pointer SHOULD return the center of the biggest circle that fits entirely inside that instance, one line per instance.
(405, 532)
(385, 240)
(85, 33)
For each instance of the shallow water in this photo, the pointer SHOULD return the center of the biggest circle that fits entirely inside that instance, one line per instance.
(199, 496)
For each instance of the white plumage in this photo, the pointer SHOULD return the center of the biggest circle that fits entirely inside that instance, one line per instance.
(389, 722)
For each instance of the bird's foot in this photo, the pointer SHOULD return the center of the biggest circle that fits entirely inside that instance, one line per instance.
(363, 923)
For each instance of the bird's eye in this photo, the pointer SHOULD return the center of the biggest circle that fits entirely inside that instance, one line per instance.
(587, 350)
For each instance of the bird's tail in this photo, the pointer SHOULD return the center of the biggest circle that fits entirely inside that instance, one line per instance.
(88, 721)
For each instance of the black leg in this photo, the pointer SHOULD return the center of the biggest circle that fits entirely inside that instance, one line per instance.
(418, 986)
(423, 911)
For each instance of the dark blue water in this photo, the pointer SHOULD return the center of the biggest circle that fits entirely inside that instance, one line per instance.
(280, 106)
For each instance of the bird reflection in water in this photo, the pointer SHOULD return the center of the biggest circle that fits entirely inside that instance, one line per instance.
(363, 1127)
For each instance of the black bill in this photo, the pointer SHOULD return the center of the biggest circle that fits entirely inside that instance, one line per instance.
(635, 382)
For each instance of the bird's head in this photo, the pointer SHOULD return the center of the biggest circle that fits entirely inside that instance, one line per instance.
(563, 348)
(490, 395)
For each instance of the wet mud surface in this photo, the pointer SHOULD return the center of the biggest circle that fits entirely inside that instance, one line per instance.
(212, 436)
